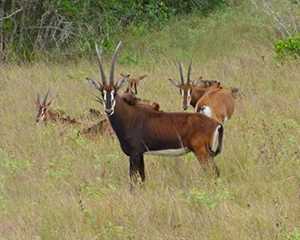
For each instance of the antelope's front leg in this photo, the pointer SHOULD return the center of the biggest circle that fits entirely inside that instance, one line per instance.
(136, 168)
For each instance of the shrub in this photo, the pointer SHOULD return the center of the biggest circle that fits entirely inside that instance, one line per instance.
(288, 48)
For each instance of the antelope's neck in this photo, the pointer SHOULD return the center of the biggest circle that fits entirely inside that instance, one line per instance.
(122, 118)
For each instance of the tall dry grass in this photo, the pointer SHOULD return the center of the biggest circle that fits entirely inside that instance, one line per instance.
(55, 184)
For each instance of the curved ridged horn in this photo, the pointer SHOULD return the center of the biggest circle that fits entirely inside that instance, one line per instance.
(38, 101)
(46, 96)
(189, 73)
(181, 74)
(102, 74)
(111, 77)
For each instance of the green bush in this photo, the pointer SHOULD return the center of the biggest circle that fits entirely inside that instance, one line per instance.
(72, 26)
(288, 48)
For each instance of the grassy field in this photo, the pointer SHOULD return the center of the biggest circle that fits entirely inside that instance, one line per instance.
(47, 171)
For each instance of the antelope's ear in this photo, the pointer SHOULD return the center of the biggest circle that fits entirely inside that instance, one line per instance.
(35, 102)
(197, 82)
(94, 84)
(124, 75)
(141, 77)
(176, 84)
(50, 103)
(121, 82)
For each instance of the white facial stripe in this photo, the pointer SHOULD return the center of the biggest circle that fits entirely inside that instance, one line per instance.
(112, 93)
(182, 93)
(104, 95)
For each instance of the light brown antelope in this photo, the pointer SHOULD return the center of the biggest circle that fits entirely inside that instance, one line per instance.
(45, 113)
(213, 100)
(186, 89)
(217, 102)
(142, 130)
(133, 83)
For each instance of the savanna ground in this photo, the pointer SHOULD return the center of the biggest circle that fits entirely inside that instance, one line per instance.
(46, 171)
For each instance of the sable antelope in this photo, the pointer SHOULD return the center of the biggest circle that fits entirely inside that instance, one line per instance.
(91, 129)
(101, 127)
(45, 113)
(129, 94)
(217, 103)
(212, 99)
(186, 89)
(141, 130)
(133, 83)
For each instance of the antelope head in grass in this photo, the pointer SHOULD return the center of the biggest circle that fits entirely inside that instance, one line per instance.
(45, 113)
(143, 130)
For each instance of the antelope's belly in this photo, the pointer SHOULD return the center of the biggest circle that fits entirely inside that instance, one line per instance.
(169, 152)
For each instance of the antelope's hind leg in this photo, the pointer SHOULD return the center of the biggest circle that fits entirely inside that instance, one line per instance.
(206, 160)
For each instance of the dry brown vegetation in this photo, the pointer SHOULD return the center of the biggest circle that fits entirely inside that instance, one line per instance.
(56, 184)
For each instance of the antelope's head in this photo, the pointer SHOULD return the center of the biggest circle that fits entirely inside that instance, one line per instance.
(133, 83)
(186, 88)
(108, 90)
(42, 108)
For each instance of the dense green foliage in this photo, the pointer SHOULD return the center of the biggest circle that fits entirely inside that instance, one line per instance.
(288, 48)
(71, 27)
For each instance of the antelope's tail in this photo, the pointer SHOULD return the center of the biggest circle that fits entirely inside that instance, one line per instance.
(216, 142)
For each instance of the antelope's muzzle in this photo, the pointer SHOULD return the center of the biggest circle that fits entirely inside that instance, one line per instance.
(109, 112)
(184, 108)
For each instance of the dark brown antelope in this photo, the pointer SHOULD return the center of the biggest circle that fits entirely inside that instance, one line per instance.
(129, 94)
(213, 100)
(143, 130)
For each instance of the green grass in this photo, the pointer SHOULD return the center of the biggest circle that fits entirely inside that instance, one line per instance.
(46, 170)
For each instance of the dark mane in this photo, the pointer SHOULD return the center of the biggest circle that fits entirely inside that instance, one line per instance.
(148, 103)
(208, 83)
(132, 100)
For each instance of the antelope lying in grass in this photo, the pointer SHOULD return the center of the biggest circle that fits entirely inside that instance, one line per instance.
(142, 130)
(91, 130)
(45, 113)
(207, 97)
